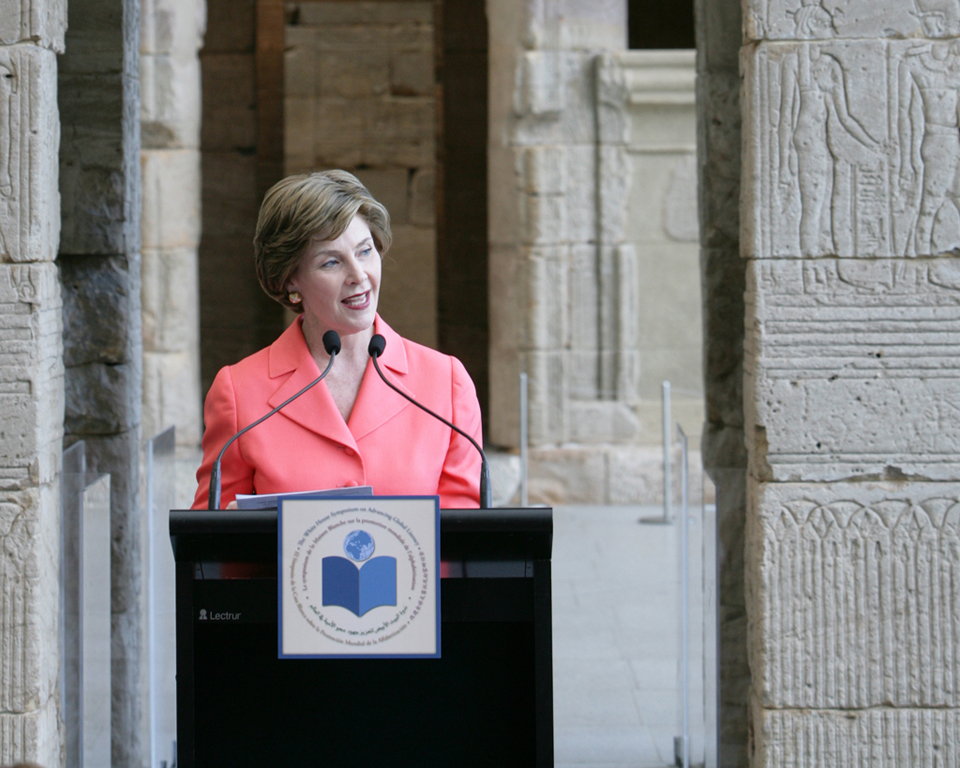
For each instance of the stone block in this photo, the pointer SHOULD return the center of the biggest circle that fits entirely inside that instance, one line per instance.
(504, 172)
(548, 375)
(584, 292)
(411, 73)
(423, 197)
(719, 125)
(229, 182)
(299, 63)
(542, 91)
(29, 653)
(318, 14)
(170, 102)
(34, 736)
(581, 193)
(681, 219)
(543, 274)
(723, 283)
(229, 101)
(40, 23)
(544, 170)
(97, 304)
(874, 182)
(793, 20)
(346, 75)
(589, 26)
(171, 211)
(612, 190)
(298, 130)
(31, 378)
(601, 422)
(411, 36)
(612, 97)
(102, 399)
(172, 27)
(391, 187)
(543, 219)
(567, 475)
(789, 738)
(231, 27)
(719, 32)
(169, 300)
(851, 594)
(408, 295)
(29, 136)
(850, 369)
(171, 394)
(339, 123)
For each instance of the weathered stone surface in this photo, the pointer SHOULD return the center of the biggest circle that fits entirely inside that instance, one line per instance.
(852, 597)
(31, 378)
(170, 101)
(391, 186)
(96, 299)
(170, 300)
(869, 177)
(567, 475)
(719, 159)
(412, 73)
(423, 198)
(229, 120)
(793, 19)
(29, 131)
(102, 399)
(408, 295)
(171, 206)
(851, 369)
(41, 23)
(880, 738)
(171, 395)
(363, 12)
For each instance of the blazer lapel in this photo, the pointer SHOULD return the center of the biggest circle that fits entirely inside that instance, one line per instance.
(314, 410)
(376, 402)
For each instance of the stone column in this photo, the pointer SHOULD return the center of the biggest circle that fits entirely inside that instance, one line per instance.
(31, 381)
(722, 285)
(171, 36)
(851, 226)
(99, 262)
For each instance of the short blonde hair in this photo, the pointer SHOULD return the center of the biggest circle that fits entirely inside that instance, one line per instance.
(301, 208)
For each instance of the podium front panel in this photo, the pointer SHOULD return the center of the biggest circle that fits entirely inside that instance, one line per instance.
(487, 700)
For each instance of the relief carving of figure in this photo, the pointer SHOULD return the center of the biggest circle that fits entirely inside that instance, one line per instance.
(8, 87)
(819, 141)
(929, 126)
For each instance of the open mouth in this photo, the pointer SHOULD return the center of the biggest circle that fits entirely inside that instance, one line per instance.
(360, 301)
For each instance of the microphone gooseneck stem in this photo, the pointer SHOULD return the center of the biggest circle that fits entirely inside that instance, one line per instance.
(214, 494)
(484, 467)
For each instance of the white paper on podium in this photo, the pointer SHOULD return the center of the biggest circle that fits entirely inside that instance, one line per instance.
(359, 577)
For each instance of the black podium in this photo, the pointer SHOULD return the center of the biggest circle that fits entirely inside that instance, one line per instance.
(488, 701)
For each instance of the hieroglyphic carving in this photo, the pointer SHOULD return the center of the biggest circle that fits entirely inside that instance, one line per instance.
(853, 368)
(29, 213)
(859, 604)
(856, 149)
(878, 738)
(813, 19)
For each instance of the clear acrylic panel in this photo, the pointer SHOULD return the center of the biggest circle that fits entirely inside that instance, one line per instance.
(634, 630)
(85, 601)
(161, 624)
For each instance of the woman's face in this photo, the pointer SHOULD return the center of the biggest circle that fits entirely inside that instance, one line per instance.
(340, 281)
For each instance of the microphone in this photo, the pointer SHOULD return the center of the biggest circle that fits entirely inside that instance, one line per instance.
(375, 348)
(331, 343)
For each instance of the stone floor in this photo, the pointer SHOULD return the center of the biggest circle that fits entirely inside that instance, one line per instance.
(616, 638)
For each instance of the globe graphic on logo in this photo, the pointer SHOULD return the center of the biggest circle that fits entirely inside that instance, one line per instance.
(358, 545)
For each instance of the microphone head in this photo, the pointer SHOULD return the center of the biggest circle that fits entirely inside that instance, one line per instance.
(331, 342)
(377, 345)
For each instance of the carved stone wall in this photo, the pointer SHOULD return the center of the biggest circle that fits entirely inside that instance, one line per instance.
(851, 221)
(100, 268)
(31, 381)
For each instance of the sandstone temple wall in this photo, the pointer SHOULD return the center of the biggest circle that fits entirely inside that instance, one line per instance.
(31, 379)
(851, 218)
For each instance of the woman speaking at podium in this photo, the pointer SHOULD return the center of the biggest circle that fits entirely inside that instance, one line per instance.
(318, 247)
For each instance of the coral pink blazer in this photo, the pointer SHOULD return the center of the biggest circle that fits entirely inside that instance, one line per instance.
(388, 443)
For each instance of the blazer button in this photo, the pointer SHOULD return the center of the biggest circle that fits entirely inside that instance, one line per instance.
(351, 484)
(350, 452)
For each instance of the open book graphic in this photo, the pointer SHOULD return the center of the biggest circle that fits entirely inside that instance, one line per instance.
(359, 589)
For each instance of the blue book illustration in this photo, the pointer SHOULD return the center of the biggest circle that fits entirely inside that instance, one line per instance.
(359, 589)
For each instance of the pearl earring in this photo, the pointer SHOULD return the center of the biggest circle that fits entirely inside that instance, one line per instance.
(295, 297)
